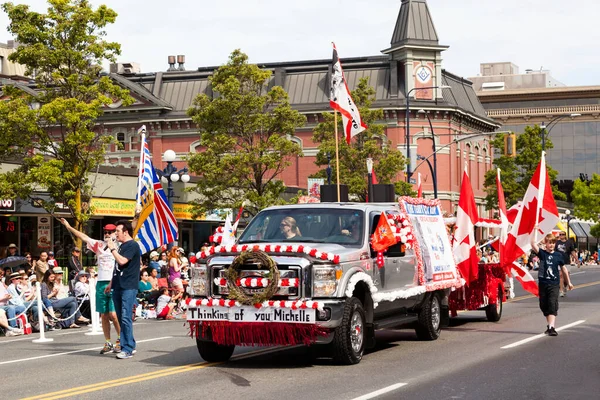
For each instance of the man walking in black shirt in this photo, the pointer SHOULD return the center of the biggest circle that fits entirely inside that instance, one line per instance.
(125, 283)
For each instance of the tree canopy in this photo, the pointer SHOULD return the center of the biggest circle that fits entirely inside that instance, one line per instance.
(245, 132)
(50, 131)
(516, 172)
(371, 143)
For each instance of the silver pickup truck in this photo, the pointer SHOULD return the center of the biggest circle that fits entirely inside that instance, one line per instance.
(349, 295)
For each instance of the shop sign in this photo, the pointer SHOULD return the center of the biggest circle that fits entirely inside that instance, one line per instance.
(113, 207)
(184, 211)
(44, 230)
(7, 205)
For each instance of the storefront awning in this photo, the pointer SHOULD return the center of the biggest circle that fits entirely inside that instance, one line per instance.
(578, 230)
(586, 229)
(562, 226)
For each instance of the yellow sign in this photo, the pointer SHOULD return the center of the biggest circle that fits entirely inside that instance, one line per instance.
(113, 207)
(126, 208)
(183, 211)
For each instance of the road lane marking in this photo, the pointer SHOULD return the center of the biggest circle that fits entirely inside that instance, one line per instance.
(75, 351)
(117, 382)
(541, 335)
(143, 377)
(379, 392)
(577, 273)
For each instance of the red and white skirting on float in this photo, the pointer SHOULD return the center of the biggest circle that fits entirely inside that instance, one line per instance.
(294, 305)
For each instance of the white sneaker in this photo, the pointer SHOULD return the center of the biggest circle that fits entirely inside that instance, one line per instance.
(562, 294)
(13, 332)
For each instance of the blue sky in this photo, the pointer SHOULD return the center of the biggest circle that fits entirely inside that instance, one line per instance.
(555, 35)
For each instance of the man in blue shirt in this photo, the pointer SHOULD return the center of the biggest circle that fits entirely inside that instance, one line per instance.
(125, 282)
(551, 262)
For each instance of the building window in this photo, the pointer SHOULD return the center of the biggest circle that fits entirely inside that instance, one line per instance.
(121, 140)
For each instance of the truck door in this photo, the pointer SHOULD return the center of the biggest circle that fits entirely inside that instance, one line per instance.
(399, 270)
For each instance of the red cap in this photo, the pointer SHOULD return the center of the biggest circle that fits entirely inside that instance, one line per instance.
(110, 227)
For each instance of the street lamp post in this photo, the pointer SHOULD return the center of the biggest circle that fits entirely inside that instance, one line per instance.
(547, 128)
(568, 217)
(171, 174)
(370, 179)
(407, 128)
(434, 173)
(328, 170)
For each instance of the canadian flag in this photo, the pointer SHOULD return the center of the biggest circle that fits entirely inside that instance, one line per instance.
(538, 207)
(419, 187)
(517, 271)
(465, 247)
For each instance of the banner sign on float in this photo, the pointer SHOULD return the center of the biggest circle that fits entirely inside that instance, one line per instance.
(251, 314)
(430, 230)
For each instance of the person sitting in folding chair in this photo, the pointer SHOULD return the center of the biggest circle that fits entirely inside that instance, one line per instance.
(82, 290)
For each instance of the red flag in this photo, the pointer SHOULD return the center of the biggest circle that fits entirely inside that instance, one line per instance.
(465, 248)
(522, 274)
(383, 237)
(419, 187)
(341, 101)
(374, 178)
(538, 207)
(503, 217)
(525, 278)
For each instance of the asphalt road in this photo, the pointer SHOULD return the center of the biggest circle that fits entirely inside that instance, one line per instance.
(473, 359)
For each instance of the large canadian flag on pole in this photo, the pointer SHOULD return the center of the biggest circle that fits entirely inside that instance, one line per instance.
(340, 100)
(465, 247)
(517, 271)
(538, 207)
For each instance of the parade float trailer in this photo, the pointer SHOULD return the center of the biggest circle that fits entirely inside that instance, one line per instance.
(326, 287)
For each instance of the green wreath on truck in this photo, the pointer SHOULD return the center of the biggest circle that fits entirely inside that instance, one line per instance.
(263, 261)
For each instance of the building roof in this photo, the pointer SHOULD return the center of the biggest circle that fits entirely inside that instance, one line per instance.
(414, 25)
(307, 85)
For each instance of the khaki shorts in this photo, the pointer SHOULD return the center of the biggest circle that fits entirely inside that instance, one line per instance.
(104, 302)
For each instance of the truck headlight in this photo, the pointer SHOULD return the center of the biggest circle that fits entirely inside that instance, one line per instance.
(324, 281)
(198, 282)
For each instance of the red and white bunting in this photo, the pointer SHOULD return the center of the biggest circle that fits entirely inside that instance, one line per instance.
(258, 282)
(270, 248)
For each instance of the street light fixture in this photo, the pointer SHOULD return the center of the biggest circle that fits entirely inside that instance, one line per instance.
(434, 170)
(546, 129)
(568, 217)
(407, 128)
(171, 174)
(370, 179)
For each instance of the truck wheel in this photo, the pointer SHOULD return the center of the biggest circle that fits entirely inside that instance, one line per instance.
(493, 312)
(429, 325)
(349, 338)
(212, 352)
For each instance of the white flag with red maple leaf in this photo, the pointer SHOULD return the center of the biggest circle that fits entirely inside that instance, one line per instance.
(538, 207)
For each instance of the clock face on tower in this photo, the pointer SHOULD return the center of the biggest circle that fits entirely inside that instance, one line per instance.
(423, 74)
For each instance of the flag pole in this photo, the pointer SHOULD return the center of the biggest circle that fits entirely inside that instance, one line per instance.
(542, 191)
(142, 130)
(337, 155)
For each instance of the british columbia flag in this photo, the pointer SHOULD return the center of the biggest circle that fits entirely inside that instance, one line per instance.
(157, 224)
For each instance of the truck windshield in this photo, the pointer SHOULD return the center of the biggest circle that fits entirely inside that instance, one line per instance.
(310, 225)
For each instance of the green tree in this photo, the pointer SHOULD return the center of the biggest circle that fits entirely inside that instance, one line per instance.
(371, 143)
(245, 131)
(51, 130)
(516, 172)
(586, 197)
